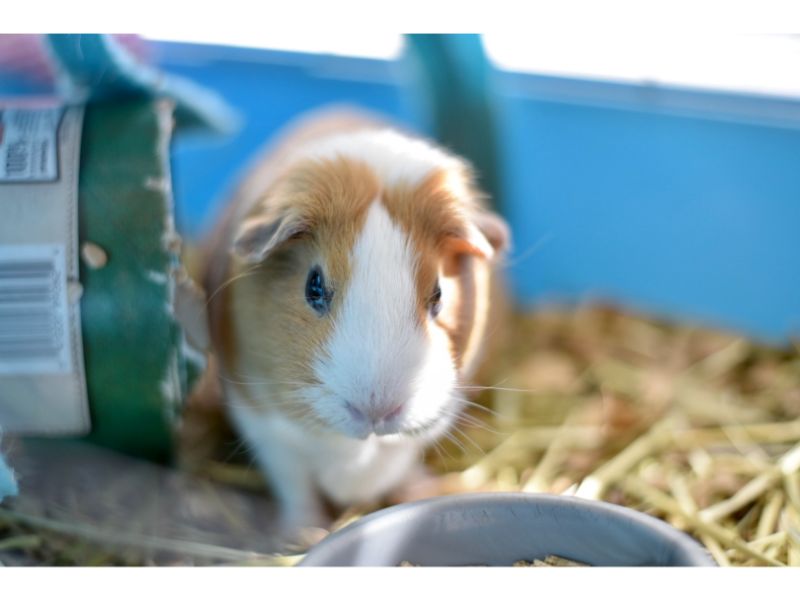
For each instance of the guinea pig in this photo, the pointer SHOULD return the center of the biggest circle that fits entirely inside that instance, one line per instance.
(348, 283)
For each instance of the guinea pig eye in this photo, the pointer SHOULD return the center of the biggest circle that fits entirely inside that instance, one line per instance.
(435, 302)
(317, 295)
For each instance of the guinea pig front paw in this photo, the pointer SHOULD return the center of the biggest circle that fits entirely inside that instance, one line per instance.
(296, 539)
(298, 530)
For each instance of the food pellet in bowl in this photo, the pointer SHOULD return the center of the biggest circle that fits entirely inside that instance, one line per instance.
(551, 560)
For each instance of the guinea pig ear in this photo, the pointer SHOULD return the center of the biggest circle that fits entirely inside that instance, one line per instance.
(484, 236)
(494, 229)
(259, 235)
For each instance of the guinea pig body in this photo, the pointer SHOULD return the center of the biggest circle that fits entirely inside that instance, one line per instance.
(348, 288)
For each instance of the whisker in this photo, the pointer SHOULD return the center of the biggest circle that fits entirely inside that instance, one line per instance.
(458, 430)
(477, 424)
(439, 449)
(527, 253)
(264, 382)
(481, 388)
(238, 445)
(451, 436)
(492, 412)
(252, 271)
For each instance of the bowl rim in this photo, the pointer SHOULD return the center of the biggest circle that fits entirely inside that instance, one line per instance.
(697, 555)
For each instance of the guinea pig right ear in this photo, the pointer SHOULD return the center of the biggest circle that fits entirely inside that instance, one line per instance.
(259, 235)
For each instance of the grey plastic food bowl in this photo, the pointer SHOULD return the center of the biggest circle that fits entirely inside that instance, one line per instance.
(497, 529)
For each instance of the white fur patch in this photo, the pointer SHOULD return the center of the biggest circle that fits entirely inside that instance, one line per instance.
(296, 461)
(379, 357)
(394, 157)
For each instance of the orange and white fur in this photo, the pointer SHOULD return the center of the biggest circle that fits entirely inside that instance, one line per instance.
(349, 285)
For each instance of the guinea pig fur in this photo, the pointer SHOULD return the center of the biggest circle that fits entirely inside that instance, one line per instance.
(348, 286)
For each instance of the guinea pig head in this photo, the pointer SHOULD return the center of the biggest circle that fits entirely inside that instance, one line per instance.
(360, 290)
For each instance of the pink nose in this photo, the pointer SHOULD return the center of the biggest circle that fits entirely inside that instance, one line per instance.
(374, 414)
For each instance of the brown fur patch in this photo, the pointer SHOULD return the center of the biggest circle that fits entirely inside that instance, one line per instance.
(274, 335)
(434, 213)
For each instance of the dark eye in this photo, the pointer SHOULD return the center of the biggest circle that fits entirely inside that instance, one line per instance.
(317, 295)
(435, 301)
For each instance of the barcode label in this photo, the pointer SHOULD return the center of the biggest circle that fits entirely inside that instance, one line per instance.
(29, 144)
(34, 326)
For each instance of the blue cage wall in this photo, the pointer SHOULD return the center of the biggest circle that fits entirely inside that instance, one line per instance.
(680, 203)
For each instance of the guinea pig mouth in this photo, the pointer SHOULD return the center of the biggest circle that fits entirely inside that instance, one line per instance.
(426, 431)
(389, 429)
(418, 430)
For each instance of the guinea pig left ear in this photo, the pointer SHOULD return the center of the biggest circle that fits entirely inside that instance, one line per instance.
(259, 235)
(485, 235)
(495, 230)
